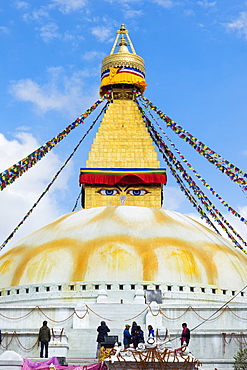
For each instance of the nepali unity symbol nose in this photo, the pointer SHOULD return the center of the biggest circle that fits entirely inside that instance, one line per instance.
(122, 199)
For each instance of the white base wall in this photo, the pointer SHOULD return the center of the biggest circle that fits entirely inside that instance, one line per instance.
(23, 314)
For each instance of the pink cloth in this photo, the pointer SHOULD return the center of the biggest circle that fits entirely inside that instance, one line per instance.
(27, 364)
(45, 365)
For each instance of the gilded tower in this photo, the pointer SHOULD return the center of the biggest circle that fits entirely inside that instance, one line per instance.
(122, 166)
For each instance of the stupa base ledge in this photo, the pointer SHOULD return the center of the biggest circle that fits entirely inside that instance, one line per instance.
(56, 350)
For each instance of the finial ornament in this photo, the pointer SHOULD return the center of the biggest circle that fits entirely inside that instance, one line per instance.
(123, 65)
(125, 34)
(122, 28)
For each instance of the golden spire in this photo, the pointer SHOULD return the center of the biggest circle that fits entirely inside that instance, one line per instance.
(122, 166)
(123, 66)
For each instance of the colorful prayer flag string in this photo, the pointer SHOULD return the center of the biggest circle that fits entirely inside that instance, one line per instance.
(199, 177)
(53, 180)
(14, 172)
(201, 196)
(184, 188)
(226, 167)
(171, 159)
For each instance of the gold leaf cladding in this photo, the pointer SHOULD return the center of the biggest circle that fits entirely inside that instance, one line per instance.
(123, 60)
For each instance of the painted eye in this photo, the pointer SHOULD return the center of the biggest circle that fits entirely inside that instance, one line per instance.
(137, 192)
(108, 192)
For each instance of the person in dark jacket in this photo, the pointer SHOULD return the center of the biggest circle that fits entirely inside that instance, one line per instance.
(138, 336)
(133, 327)
(103, 331)
(185, 336)
(44, 339)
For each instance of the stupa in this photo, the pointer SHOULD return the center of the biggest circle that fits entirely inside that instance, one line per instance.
(123, 257)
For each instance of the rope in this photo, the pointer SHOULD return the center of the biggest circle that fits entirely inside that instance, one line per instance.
(177, 318)
(226, 167)
(199, 177)
(57, 321)
(242, 318)
(76, 202)
(155, 137)
(214, 313)
(52, 181)
(207, 204)
(81, 317)
(129, 319)
(139, 314)
(18, 318)
(59, 336)
(234, 335)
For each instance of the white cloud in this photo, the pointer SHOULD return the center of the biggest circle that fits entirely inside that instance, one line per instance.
(173, 198)
(16, 199)
(67, 6)
(36, 15)
(206, 3)
(62, 93)
(49, 32)
(189, 12)
(92, 55)
(131, 13)
(102, 33)
(21, 5)
(239, 25)
(4, 29)
(165, 3)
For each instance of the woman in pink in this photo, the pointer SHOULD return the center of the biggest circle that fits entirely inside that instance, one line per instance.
(185, 336)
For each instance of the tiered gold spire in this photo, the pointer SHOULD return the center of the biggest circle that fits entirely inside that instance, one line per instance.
(122, 141)
(123, 66)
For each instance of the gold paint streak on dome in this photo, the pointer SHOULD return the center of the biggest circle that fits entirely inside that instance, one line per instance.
(42, 268)
(6, 265)
(164, 218)
(178, 253)
(150, 264)
(137, 238)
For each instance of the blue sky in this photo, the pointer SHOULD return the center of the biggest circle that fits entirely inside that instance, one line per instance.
(51, 51)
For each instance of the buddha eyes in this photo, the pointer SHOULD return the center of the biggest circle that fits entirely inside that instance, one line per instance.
(108, 192)
(135, 192)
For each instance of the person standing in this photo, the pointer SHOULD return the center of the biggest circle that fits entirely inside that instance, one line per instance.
(103, 331)
(133, 327)
(138, 336)
(185, 336)
(126, 337)
(44, 339)
(150, 332)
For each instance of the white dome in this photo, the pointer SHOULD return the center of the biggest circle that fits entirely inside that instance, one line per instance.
(124, 244)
